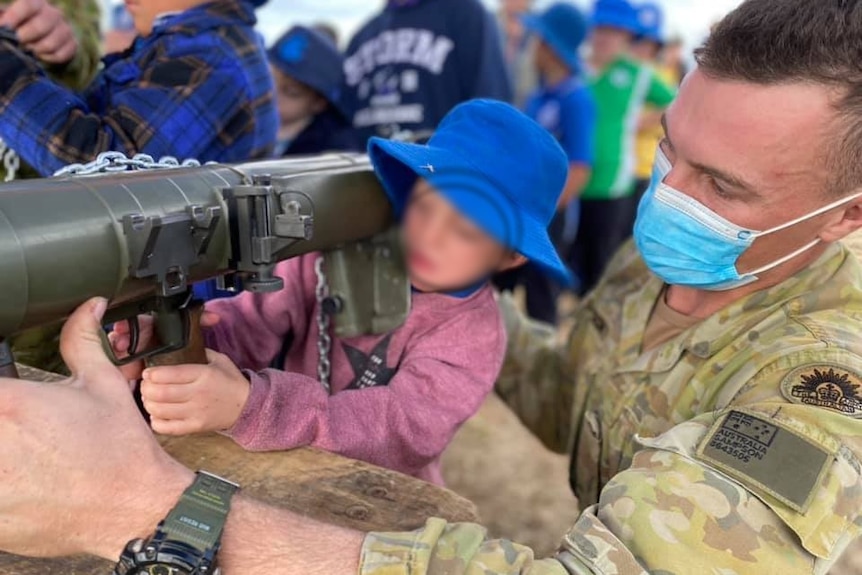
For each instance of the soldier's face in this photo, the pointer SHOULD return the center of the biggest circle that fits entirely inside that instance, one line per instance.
(446, 251)
(754, 155)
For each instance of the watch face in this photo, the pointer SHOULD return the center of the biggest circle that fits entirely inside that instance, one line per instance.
(161, 570)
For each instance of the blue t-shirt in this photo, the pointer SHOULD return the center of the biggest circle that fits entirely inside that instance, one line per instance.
(415, 61)
(568, 111)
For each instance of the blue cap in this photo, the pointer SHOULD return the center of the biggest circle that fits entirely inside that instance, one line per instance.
(616, 14)
(311, 58)
(651, 22)
(497, 167)
(564, 28)
(258, 3)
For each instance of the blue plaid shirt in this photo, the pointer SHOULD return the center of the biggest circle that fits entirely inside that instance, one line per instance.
(197, 87)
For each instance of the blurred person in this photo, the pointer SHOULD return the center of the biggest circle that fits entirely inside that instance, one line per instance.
(307, 69)
(196, 85)
(673, 57)
(64, 38)
(621, 87)
(564, 106)
(411, 64)
(330, 31)
(648, 49)
(120, 36)
(517, 49)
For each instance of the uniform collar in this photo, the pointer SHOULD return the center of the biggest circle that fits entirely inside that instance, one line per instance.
(813, 288)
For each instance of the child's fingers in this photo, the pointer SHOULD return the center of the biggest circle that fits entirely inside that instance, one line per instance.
(166, 393)
(174, 373)
(209, 319)
(119, 342)
(133, 371)
(171, 426)
(171, 411)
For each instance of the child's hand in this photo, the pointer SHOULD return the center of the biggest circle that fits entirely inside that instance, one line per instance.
(186, 399)
(120, 339)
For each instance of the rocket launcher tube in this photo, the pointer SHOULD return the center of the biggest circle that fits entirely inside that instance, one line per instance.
(141, 239)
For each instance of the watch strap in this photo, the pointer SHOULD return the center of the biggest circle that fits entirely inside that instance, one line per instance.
(198, 519)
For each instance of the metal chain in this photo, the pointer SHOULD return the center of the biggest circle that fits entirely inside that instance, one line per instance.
(324, 341)
(11, 161)
(119, 162)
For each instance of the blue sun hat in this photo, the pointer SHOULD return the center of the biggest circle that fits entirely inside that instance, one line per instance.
(312, 58)
(563, 27)
(496, 166)
(616, 14)
(651, 23)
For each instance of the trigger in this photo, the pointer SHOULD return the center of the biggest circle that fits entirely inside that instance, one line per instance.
(134, 335)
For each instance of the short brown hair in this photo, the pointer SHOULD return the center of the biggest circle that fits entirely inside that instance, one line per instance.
(786, 41)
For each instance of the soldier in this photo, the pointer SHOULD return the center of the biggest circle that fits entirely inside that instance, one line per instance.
(709, 393)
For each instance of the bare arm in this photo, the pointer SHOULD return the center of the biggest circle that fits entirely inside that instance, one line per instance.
(579, 175)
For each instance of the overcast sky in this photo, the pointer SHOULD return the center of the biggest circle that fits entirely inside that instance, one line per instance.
(687, 18)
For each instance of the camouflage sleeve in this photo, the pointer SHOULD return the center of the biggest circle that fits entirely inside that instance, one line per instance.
(450, 549)
(678, 509)
(534, 376)
(769, 482)
(83, 17)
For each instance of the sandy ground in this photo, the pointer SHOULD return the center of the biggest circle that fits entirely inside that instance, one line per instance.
(522, 490)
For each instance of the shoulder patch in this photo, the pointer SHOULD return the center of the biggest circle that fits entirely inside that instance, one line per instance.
(766, 458)
(830, 386)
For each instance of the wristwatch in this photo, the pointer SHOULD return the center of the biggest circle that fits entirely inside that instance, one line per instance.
(187, 541)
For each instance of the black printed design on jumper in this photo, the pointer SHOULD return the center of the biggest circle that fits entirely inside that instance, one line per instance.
(370, 370)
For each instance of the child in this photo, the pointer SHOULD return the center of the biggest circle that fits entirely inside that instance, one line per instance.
(307, 68)
(195, 84)
(564, 106)
(398, 398)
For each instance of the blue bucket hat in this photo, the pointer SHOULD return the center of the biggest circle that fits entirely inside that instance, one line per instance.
(311, 58)
(497, 167)
(564, 28)
(616, 14)
(651, 23)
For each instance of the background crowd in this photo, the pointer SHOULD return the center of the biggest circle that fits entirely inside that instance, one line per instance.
(598, 80)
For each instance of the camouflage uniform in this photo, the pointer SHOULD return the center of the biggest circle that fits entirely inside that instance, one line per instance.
(39, 347)
(733, 448)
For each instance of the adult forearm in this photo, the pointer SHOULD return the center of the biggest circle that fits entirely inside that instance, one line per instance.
(260, 539)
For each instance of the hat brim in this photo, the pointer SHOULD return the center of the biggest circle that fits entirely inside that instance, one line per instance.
(399, 164)
(534, 25)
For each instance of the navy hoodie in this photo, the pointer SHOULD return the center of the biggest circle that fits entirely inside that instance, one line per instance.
(416, 60)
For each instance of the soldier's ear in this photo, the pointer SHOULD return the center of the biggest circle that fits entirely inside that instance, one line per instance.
(851, 221)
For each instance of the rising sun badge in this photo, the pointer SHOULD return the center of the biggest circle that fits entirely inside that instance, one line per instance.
(828, 386)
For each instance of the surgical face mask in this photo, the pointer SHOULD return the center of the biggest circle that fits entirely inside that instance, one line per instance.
(686, 244)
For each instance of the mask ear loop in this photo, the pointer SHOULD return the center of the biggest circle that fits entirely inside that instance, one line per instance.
(785, 259)
(792, 223)
(814, 214)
